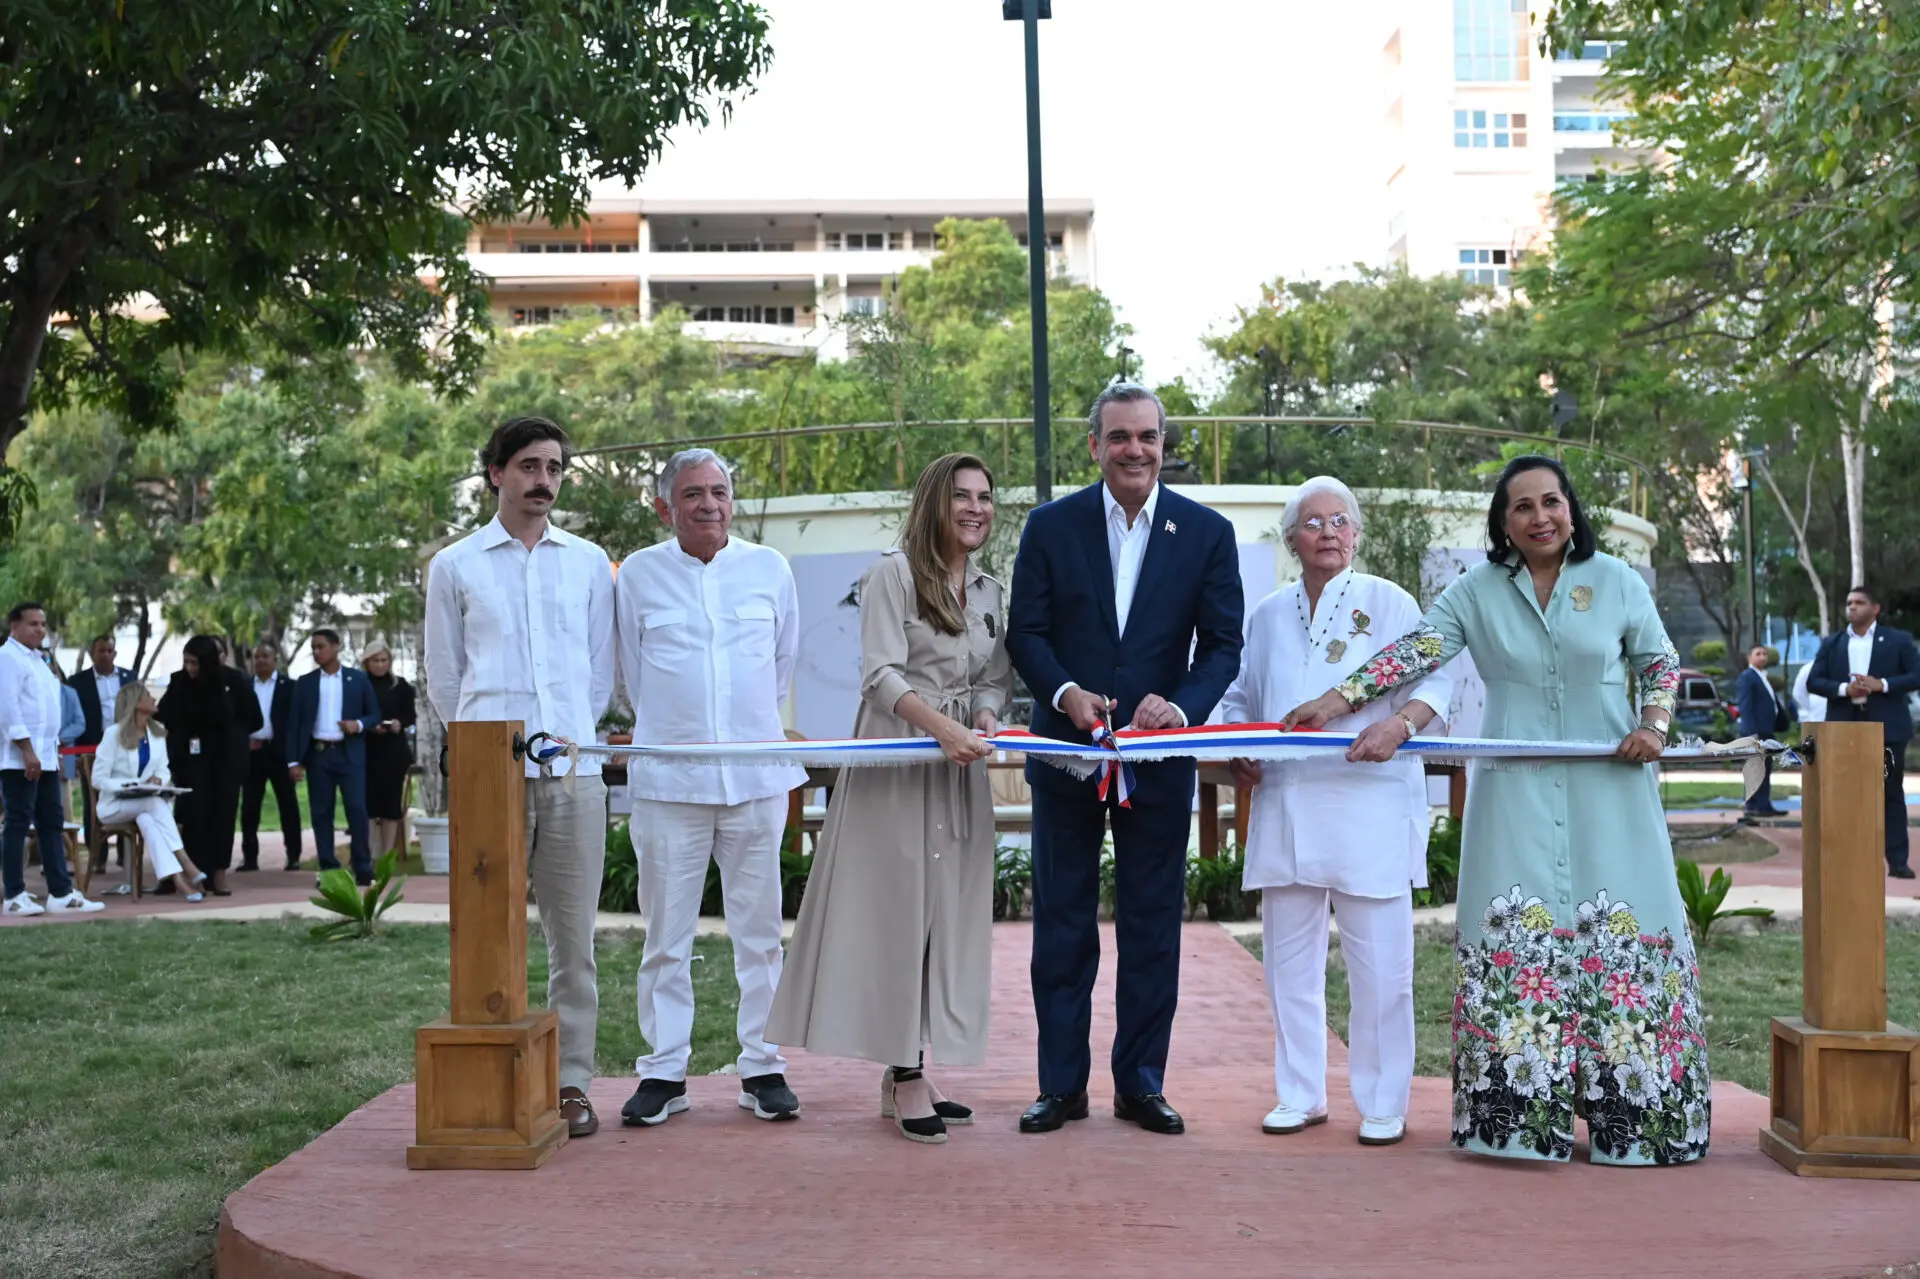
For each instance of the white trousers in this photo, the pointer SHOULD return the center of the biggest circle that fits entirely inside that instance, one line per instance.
(1376, 939)
(674, 842)
(154, 817)
(566, 852)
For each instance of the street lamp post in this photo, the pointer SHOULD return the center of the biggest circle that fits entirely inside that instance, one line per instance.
(1031, 12)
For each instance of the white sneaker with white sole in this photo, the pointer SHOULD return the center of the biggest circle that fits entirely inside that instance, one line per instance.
(22, 905)
(1383, 1131)
(75, 903)
(1285, 1119)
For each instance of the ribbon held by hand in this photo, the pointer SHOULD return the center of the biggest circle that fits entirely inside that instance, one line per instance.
(1116, 774)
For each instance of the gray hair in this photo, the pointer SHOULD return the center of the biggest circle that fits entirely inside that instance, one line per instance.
(686, 460)
(1123, 393)
(1290, 521)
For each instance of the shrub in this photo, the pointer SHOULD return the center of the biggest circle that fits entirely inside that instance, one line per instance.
(1012, 878)
(359, 908)
(1710, 651)
(620, 879)
(1443, 864)
(1214, 883)
(1702, 899)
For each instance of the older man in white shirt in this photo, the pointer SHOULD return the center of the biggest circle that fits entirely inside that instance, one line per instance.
(30, 769)
(519, 626)
(709, 629)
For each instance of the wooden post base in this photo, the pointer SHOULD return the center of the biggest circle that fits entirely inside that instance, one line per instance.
(1846, 1103)
(487, 1096)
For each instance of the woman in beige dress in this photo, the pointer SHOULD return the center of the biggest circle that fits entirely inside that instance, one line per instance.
(892, 950)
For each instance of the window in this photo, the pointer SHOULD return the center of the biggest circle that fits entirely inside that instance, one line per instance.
(532, 315)
(744, 314)
(857, 241)
(1490, 40)
(1055, 239)
(1588, 121)
(1489, 266)
(1591, 51)
(1496, 129)
(866, 306)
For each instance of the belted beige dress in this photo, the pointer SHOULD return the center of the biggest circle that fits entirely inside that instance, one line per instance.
(893, 947)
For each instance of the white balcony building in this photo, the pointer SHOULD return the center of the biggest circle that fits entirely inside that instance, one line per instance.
(1481, 129)
(765, 276)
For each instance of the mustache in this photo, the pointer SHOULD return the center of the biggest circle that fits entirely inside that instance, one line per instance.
(540, 492)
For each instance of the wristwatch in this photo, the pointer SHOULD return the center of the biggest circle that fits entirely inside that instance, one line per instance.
(1412, 732)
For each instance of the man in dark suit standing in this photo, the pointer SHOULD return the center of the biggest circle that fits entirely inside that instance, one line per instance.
(332, 707)
(1760, 716)
(267, 761)
(1126, 609)
(1865, 672)
(98, 685)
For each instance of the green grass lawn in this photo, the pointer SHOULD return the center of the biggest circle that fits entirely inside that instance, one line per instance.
(1746, 979)
(1691, 794)
(152, 1068)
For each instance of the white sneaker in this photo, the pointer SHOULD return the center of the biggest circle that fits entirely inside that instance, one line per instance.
(22, 905)
(1382, 1132)
(73, 901)
(1285, 1119)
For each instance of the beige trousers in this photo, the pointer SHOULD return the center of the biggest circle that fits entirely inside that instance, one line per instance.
(566, 852)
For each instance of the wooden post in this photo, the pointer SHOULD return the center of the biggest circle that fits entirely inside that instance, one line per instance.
(487, 1078)
(1846, 1083)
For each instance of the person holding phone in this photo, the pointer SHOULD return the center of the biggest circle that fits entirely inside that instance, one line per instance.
(389, 752)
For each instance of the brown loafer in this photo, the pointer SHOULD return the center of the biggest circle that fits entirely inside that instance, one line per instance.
(578, 1112)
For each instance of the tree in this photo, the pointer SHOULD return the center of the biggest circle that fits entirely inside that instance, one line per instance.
(296, 167)
(1793, 182)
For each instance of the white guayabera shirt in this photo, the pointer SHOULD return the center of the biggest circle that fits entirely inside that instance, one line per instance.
(523, 634)
(709, 651)
(1354, 828)
(29, 706)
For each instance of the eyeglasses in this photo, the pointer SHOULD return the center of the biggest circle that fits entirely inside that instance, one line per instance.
(1314, 524)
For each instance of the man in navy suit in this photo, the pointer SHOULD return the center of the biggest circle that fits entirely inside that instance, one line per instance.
(1126, 609)
(1760, 716)
(1865, 672)
(332, 707)
(267, 761)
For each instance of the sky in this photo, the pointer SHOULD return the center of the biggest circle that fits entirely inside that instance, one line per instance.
(1223, 142)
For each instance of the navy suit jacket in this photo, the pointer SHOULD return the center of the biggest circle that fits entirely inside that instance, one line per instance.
(1894, 660)
(97, 715)
(1760, 715)
(357, 701)
(281, 716)
(1183, 632)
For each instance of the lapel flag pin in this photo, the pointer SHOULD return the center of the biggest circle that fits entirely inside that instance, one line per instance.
(1169, 526)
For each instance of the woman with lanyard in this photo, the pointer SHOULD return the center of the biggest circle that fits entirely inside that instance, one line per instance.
(1577, 992)
(1330, 832)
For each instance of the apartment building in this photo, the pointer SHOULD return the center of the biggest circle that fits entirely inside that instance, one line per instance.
(1480, 130)
(766, 277)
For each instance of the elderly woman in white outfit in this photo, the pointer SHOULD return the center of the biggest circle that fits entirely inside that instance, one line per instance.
(134, 755)
(1335, 831)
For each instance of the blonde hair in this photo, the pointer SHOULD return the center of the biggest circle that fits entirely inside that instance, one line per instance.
(124, 706)
(927, 535)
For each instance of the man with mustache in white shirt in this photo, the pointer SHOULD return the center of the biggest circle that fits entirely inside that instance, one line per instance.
(520, 627)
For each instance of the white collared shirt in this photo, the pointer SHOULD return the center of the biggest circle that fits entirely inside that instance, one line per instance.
(1859, 657)
(1127, 548)
(522, 634)
(1765, 683)
(1126, 551)
(108, 686)
(708, 651)
(29, 706)
(263, 694)
(326, 720)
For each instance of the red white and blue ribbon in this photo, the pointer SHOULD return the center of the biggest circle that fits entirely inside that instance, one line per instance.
(1116, 774)
(1110, 757)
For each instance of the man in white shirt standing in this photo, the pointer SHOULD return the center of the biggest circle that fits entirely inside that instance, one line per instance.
(520, 627)
(30, 769)
(709, 629)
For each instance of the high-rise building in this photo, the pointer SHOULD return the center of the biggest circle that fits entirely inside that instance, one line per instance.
(1481, 128)
(763, 276)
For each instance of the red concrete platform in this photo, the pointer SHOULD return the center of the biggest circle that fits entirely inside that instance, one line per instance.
(716, 1192)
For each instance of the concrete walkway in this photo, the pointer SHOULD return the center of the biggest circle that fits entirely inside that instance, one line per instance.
(839, 1193)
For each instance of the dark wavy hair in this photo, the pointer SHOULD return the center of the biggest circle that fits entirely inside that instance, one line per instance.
(515, 434)
(1500, 546)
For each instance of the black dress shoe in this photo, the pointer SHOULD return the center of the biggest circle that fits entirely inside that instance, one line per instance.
(248, 866)
(1052, 1110)
(1150, 1111)
(1900, 872)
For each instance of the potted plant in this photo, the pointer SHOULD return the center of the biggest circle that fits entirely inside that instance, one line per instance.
(431, 827)
(616, 726)
(1012, 877)
(1213, 883)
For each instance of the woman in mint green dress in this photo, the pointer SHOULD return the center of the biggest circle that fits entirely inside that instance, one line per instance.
(1577, 990)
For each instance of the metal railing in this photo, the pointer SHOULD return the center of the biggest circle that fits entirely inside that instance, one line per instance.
(1640, 475)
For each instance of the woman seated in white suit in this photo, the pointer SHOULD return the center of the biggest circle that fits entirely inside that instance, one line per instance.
(134, 755)
(1336, 831)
